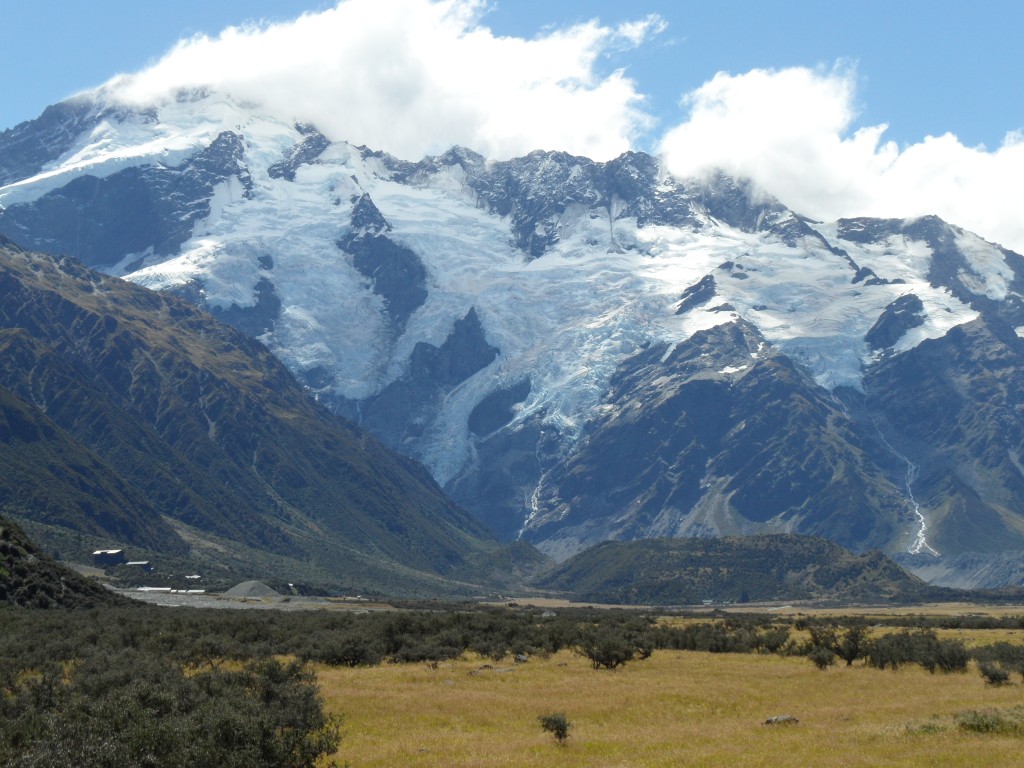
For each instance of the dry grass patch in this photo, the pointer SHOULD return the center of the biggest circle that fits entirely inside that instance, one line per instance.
(974, 638)
(922, 609)
(676, 708)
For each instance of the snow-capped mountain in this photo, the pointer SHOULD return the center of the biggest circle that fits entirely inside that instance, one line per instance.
(576, 350)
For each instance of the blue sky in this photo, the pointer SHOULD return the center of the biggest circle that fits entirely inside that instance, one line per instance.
(892, 108)
(924, 68)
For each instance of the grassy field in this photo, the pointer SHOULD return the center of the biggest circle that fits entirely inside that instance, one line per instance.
(674, 709)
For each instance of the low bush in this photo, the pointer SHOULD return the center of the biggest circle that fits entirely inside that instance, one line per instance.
(1008, 722)
(557, 725)
(994, 673)
(1009, 656)
(917, 647)
(605, 648)
(821, 657)
(140, 709)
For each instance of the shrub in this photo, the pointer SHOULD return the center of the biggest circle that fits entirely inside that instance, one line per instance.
(343, 649)
(851, 645)
(848, 644)
(823, 636)
(919, 647)
(772, 639)
(1008, 655)
(713, 637)
(821, 657)
(993, 672)
(139, 709)
(605, 648)
(557, 725)
(993, 721)
(952, 656)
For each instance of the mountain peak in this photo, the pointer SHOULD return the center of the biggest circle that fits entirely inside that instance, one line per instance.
(499, 320)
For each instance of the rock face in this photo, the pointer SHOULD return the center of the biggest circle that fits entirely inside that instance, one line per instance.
(954, 404)
(305, 152)
(716, 438)
(395, 271)
(902, 315)
(156, 207)
(29, 146)
(575, 350)
(434, 372)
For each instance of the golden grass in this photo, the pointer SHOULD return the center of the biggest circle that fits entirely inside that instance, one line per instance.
(972, 638)
(676, 708)
(924, 609)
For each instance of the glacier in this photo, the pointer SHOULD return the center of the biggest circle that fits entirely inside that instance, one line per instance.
(605, 285)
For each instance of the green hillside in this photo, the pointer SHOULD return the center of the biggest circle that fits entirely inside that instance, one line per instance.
(31, 579)
(732, 569)
(131, 419)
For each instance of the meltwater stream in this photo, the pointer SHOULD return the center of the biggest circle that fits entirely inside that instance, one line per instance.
(920, 543)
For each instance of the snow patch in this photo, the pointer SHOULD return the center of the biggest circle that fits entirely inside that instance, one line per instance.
(227, 192)
(990, 275)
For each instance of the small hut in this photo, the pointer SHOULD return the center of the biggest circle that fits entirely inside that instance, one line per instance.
(104, 557)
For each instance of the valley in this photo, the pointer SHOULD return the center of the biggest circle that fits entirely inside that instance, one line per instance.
(675, 708)
(510, 383)
(466, 685)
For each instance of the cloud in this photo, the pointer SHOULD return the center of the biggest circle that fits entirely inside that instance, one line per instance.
(790, 131)
(416, 76)
(635, 33)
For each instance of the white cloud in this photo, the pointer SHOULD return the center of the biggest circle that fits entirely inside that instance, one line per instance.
(416, 76)
(634, 33)
(790, 132)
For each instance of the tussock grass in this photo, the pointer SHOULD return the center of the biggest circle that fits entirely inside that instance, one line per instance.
(676, 708)
(999, 721)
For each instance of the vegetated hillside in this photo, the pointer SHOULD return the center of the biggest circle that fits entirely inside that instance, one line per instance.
(131, 418)
(31, 579)
(63, 482)
(755, 568)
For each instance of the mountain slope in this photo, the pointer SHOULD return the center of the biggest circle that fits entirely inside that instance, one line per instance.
(718, 436)
(31, 579)
(733, 569)
(529, 329)
(132, 415)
